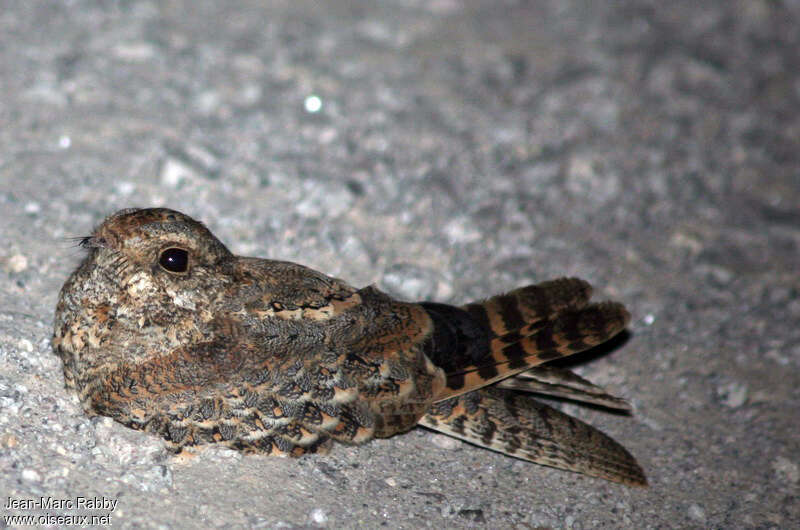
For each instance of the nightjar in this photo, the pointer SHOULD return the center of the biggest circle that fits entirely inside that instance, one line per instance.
(163, 329)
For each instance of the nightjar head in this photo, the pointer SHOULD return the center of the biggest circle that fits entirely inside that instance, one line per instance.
(155, 251)
(152, 278)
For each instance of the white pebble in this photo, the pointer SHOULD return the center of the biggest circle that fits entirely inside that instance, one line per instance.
(31, 475)
(126, 188)
(318, 516)
(17, 263)
(313, 104)
(174, 172)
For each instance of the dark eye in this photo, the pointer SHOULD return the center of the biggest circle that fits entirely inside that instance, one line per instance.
(174, 260)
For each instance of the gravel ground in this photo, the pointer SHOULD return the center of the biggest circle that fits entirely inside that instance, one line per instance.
(443, 150)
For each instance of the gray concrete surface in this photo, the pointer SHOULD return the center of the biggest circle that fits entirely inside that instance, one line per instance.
(461, 148)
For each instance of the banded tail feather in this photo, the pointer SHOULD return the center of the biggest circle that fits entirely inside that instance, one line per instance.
(519, 426)
(526, 306)
(569, 332)
(491, 353)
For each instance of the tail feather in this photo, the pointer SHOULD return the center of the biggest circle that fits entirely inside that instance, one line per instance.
(497, 342)
(528, 305)
(517, 425)
(570, 332)
(561, 383)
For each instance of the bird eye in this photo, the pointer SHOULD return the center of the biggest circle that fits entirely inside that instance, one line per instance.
(174, 260)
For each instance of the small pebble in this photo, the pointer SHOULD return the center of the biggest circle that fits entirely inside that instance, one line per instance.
(327, 201)
(134, 52)
(174, 172)
(318, 516)
(8, 440)
(312, 104)
(31, 475)
(732, 395)
(445, 442)
(411, 281)
(786, 470)
(17, 263)
(126, 188)
(697, 513)
(461, 230)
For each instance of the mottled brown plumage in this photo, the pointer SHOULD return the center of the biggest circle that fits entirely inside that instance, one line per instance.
(163, 329)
